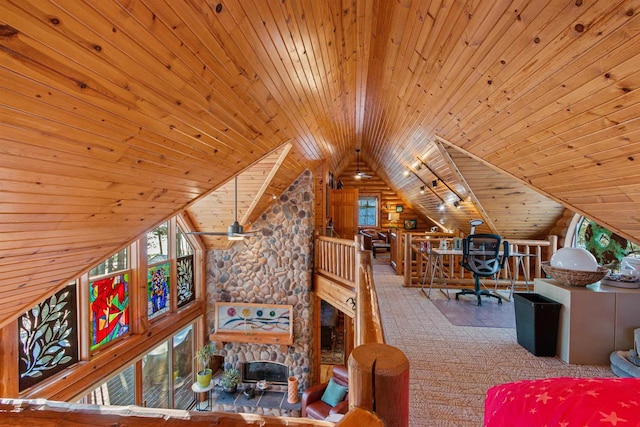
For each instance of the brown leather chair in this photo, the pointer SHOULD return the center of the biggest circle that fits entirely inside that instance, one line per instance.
(313, 407)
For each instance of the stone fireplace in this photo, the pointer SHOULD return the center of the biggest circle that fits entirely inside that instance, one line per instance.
(273, 372)
(273, 267)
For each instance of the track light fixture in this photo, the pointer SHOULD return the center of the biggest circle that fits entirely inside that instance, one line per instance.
(425, 186)
(457, 204)
(435, 182)
(441, 206)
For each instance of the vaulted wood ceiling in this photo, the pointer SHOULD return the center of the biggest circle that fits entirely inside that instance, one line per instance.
(115, 115)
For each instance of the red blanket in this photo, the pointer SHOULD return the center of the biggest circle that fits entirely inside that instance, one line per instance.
(564, 402)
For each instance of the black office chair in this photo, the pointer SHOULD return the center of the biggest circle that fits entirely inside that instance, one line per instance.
(481, 255)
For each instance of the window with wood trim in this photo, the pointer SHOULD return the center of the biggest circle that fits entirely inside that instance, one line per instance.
(50, 340)
(368, 211)
(165, 372)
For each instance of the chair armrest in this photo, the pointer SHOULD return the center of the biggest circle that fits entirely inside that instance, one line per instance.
(505, 253)
(340, 408)
(312, 394)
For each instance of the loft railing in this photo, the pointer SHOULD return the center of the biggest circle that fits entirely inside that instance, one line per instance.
(420, 267)
(345, 263)
(371, 357)
(336, 259)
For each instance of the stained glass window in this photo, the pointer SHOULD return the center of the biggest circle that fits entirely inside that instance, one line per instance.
(158, 289)
(48, 337)
(109, 309)
(609, 248)
(186, 290)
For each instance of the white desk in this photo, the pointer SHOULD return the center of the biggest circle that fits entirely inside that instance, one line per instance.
(594, 320)
(435, 261)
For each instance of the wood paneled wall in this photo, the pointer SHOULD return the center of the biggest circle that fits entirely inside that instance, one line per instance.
(115, 115)
(388, 198)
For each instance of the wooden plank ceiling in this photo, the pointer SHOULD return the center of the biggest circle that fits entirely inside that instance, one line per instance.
(115, 115)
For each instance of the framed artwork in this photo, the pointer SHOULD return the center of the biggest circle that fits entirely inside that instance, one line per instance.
(399, 208)
(410, 224)
(265, 322)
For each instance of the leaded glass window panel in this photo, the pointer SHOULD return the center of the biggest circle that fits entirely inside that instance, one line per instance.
(158, 244)
(158, 289)
(48, 337)
(186, 286)
(109, 309)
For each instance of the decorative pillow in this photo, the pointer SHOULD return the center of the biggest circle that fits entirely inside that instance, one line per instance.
(334, 393)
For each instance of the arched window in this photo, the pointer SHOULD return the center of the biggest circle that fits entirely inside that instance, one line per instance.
(608, 247)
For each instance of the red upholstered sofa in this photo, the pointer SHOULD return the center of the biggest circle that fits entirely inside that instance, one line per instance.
(314, 407)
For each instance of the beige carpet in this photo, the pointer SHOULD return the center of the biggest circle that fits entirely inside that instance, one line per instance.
(467, 312)
(452, 367)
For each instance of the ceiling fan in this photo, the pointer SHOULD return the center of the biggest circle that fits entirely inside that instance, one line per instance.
(235, 230)
(359, 173)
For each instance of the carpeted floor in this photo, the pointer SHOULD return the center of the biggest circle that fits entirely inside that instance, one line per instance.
(452, 367)
(467, 312)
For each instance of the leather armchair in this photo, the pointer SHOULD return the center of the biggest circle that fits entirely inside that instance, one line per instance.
(313, 407)
(375, 241)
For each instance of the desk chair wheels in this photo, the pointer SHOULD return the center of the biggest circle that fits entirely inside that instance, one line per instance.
(478, 294)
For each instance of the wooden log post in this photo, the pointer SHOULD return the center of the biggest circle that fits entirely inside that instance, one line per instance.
(408, 264)
(389, 380)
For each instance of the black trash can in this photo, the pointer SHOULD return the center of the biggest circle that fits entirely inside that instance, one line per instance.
(537, 323)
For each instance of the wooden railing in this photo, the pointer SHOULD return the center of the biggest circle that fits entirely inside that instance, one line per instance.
(336, 259)
(371, 356)
(420, 267)
(345, 263)
(40, 412)
(368, 321)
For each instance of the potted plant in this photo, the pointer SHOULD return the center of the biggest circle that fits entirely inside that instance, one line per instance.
(230, 380)
(204, 372)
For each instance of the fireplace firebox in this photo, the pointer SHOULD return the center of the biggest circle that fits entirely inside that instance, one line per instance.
(272, 372)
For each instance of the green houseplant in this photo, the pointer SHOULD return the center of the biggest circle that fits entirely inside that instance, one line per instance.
(203, 355)
(230, 380)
